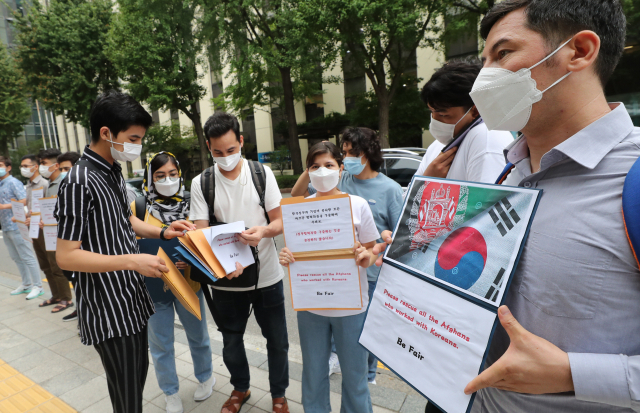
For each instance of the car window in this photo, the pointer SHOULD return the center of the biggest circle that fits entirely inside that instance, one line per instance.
(401, 169)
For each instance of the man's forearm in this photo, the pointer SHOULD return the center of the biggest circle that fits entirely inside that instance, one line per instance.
(143, 229)
(273, 229)
(87, 261)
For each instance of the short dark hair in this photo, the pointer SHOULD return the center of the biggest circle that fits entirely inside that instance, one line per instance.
(322, 148)
(219, 124)
(5, 160)
(30, 157)
(364, 141)
(450, 85)
(558, 20)
(118, 112)
(69, 156)
(51, 153)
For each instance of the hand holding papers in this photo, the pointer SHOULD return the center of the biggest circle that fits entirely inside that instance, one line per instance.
(47, 206)
(320, 235)
(34, 226)
(179, 286)
(17, 208)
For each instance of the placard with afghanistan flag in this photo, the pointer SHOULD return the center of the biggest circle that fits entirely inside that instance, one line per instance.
(434, 308)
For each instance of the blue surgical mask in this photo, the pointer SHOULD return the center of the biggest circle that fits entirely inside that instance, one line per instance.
(63, 175)
(3, 171)
(354, 165)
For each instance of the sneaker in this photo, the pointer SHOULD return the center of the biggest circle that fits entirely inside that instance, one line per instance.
(373, 382)
(204, 390)
(334, 364)
(35, 292)
(71, 317)
(174, 403)
(21, 290)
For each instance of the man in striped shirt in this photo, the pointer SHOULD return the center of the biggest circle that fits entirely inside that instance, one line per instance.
(97, 241)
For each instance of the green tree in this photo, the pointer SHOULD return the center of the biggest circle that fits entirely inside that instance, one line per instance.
(157, 45)
(381, 37)
(280, 158)
(62, 53)
(14, 109)
(275, 51)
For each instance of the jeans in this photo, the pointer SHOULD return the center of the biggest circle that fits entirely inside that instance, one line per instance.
(268, 309)
(22, 254)
(373, 361)
(315, 341)
(161, 336)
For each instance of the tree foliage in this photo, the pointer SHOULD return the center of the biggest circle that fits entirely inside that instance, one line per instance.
(14, 109)
(157, 45)
(381, 37)
(62, 53)
(275, 52)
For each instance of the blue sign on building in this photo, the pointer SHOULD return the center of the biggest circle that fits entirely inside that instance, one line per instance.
(264, 157)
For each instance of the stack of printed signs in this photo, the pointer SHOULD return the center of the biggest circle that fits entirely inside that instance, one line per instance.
(434, 308)
(215, 250)
(319, 233)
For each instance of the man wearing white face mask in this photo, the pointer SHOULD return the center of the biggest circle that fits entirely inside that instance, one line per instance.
(569, 335)
(227, 192)
(464, 149)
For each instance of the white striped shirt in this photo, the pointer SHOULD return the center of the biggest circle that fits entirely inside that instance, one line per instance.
(92, 208)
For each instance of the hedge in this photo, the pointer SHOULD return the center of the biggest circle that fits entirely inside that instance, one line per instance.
(286, 181)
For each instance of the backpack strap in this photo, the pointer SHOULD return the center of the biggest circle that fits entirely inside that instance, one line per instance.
(208, 185)
(631, 209)
(505, 172)
(259, 178)
(141, 207)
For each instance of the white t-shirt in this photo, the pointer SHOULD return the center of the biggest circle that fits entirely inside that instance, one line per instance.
(366, 231)
(480, 157)
(238, 200)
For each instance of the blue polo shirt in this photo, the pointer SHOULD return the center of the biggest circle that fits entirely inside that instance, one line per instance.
(10, 188)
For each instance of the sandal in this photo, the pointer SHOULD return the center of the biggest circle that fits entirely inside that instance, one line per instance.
(235, 402)
(48, 302)
(62, 306)
(280, 405)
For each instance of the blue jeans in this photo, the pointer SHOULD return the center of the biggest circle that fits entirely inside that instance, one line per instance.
(315, 341)
(373, 361)
(161, 337)
(268, 309)
(22, 254)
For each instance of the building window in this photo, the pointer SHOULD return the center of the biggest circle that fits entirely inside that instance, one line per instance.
(155, 116)
(250, 148)
(355, 84)
(462, 44)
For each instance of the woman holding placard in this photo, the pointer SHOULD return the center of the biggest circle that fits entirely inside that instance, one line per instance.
(163, 203)
(324, 165)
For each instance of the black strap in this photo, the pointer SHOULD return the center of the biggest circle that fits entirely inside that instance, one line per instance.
(208, 185)
(214, 312)
(258, 176)
(140, 205)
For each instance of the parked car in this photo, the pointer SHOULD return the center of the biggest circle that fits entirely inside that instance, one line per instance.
(400, 164)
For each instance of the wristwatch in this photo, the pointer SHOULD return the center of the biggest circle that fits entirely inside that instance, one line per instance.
(162, 234)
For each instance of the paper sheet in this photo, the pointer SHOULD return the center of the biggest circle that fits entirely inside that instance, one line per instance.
(437, 343)
(318, 225)
(34, 226)
(17, 208)
(325, 284)
(24, 231)
(226, 246)
(179, 286)
(36, 194)
(50, 237)
(47, 206)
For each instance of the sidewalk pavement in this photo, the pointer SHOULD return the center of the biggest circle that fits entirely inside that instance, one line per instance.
(48, 351)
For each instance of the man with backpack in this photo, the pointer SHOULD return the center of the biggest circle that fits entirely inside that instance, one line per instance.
(236, 189)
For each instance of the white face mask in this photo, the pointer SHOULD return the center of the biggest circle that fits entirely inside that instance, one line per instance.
(130, 153)
(27, 172)
(227, 163)
(169, 187)
(504, 98)
(443, 132)
(323, 179)
(45, 171)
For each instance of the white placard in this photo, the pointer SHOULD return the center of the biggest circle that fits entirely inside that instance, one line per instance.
(36, 194)
(47, 206)
(34, 226)
(325, 285)
(24, 231)
(226, 246)
(50, 237)
(432, 338)
(17, 208)
(319, 225)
